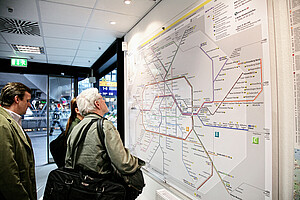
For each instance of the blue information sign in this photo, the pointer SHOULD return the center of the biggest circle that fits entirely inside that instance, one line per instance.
(108, 91)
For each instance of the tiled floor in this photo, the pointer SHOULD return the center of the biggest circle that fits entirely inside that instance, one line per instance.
(39, 143)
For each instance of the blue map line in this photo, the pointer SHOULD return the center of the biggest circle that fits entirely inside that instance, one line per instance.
(221, 69)
(241, 129)
(171, 124)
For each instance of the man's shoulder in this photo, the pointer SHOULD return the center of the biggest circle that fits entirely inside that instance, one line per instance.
(4, 116)
(5, 119)
(108, 125)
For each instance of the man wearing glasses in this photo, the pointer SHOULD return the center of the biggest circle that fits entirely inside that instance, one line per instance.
(93, 156)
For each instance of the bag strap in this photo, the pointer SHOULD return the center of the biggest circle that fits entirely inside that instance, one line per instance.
(100, 131)
(102, 136)
(81, 137)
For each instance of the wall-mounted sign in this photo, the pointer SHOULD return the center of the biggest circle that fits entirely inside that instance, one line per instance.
(108, 83)
(108, 91)
(108, 88)
(211, 122)
(16, 62)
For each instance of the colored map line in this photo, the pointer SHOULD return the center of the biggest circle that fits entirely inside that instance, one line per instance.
(189, 114)
(212, 173)
(146, 148)
(254, 97)
(223, 101)
(169, 95)
(171, 136)
(192, 113)
(157, 59)
(213, 166)
(183, 35)
(225, 127)
(220, 70)
(212, 66)
(153, 152)
(184, 162)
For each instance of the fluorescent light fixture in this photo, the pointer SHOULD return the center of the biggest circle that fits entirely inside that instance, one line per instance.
(112, 22)
(28, 49)
(127, 2)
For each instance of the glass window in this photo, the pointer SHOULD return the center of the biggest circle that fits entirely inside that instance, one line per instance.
(108, 77)
(84, 84)
(108, 89)
(114, 75)
(60, 95)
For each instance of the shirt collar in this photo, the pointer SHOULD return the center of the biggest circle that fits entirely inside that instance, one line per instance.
(15, 116)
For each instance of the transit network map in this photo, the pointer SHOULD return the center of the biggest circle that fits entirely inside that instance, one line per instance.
(198, 102)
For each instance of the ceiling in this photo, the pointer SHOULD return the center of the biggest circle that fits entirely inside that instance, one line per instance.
(70, 32)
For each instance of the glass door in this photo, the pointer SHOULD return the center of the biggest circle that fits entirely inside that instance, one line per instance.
(61, 92)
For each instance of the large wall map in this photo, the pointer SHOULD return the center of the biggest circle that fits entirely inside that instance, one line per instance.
(197, 107)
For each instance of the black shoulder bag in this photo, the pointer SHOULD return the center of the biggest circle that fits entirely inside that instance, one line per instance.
(134, 182)
(58, 149)
(76, 184)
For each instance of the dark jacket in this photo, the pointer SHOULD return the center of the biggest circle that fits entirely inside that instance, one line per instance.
(17, 172)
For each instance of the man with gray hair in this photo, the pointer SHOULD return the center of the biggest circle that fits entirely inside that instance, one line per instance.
(93, 156)
(16, 156)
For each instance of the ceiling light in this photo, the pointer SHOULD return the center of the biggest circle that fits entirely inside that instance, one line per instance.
(28, 49)
(127, 2)
(112, 22)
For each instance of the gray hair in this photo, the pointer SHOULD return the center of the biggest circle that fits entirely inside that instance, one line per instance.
(86, 100)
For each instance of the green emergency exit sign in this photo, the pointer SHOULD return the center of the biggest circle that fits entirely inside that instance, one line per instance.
(19, 62)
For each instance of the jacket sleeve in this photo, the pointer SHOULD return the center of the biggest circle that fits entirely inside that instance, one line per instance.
(119, 155)
(10, 184)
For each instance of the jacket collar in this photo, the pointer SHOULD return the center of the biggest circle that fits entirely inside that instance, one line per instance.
(92, 115)
(15, 126)
(15, 116)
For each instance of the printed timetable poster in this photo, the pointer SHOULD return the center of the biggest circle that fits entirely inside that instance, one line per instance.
(294, 13)
(199, 107)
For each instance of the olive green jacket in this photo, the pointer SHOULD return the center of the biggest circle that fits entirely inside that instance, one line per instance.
(92, 152)
(17, 173)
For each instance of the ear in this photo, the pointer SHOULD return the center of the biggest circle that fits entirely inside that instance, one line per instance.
(97, 104)
(16, 99)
